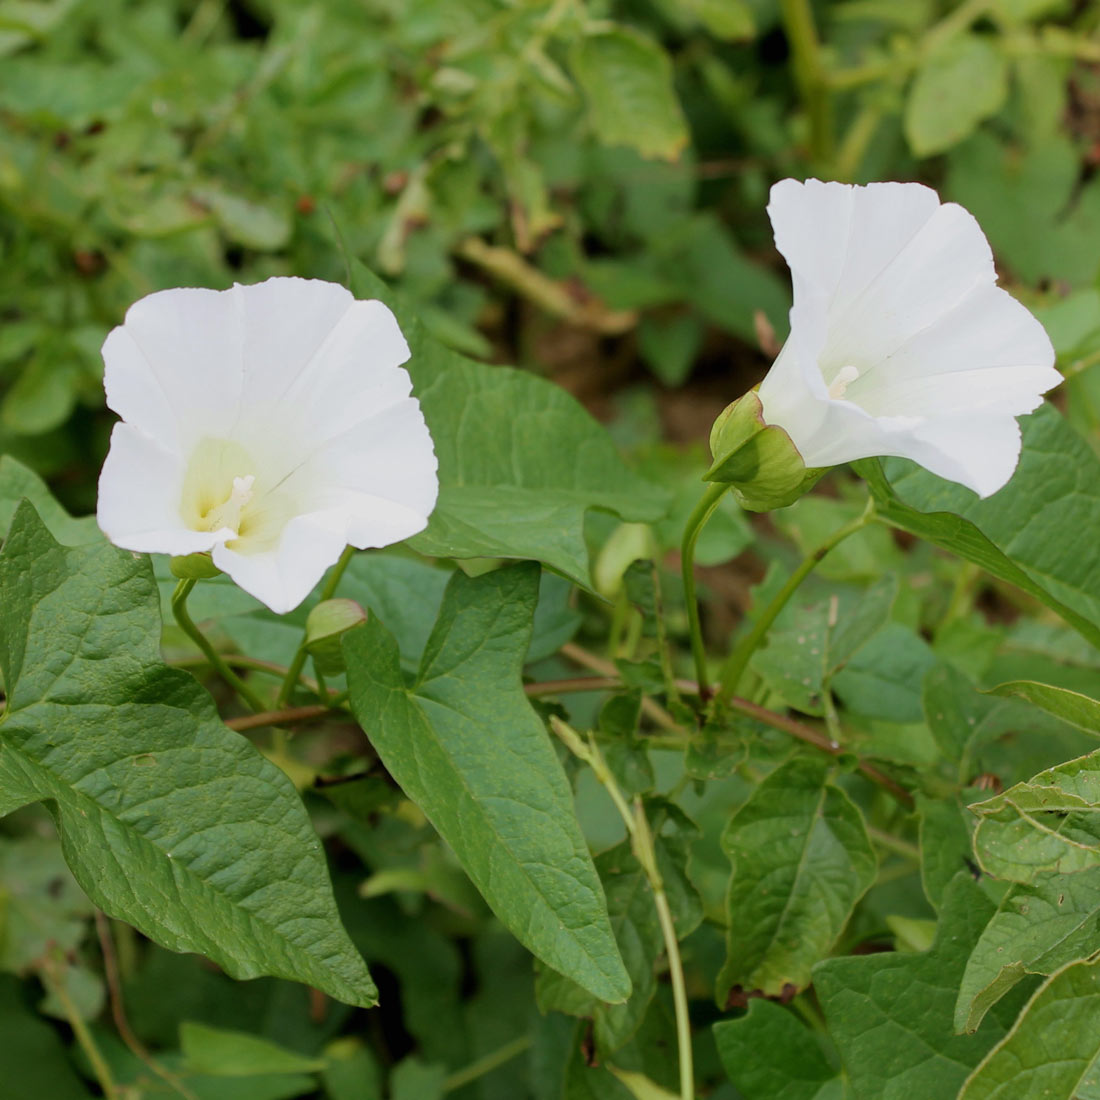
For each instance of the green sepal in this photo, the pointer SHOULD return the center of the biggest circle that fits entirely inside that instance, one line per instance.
(193, 567)
(757, 460)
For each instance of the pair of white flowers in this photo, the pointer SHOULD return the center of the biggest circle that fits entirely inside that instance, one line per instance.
(272, 425)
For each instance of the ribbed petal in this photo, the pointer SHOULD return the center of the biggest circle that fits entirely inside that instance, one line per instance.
(892, 285)
(300, 386)
(140, 488)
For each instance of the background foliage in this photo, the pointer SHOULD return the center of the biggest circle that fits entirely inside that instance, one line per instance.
(579, 189)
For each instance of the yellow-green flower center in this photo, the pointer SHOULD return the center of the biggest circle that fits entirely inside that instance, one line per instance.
(219, 488)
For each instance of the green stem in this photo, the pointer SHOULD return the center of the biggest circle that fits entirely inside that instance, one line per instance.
(809, 75)
(734, 668)
(641, 843)
(487, 1064)
(695, 524)
(187, 625)
(894, 844)
(55, 980)
(296, 666)
(647, 856)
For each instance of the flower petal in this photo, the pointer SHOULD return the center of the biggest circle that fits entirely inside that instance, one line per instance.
(839, 238)
(354, 375)
(174, 367)
(140, 489)
(901, 341)
(284, 575)
(286, 324)
(979, 452)
(988, 353)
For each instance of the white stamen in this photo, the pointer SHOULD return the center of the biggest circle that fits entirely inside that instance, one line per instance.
(844, 378)
(228, 513)
(242, 490)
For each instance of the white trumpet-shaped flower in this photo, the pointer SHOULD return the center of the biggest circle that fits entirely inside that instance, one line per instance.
(269, 425)
(901, 341)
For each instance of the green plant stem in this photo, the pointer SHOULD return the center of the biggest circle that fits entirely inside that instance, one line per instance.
(55, 980)
(253, 664)
(856, 140)
(647, 855)
(734, 668)
(296, 666)
(486, 1064)
(695, 524)
(894, 844)
(277, 718)
(187, 625)
(641, 843)
(955, 22)
(809, 75)
(679, 739)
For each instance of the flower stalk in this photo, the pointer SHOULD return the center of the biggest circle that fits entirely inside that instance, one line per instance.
(695, 524)
(187, 625)
(809, 75)
(734, 668)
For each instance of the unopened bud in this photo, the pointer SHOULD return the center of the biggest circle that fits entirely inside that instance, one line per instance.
(327, 623)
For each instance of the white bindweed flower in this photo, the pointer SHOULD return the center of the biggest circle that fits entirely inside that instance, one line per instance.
(901, 341)
(268, 425)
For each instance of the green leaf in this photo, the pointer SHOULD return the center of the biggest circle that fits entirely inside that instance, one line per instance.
(998, 180)
(801, 860)
(946, 843)
(351, 1072)
(637, 930)
(40, 904)
(465, 745)
(1049, 1052)
(253, 224)
(956, 86)
(168, 820)
(1056, 488)
(1049, 823)
(17, 483)
(890, 1014)
(31, 1052)
(501, 435)
(627, 81)
(728, 19)
(769, 1055)
(810, 642)
(963, 719)
(670, 345)
(1079, 710)
(1037, 929)
(218, 1053)
(883, 678)
(414, 1080)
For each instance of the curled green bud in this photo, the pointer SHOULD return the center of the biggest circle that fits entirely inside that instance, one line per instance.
(193, 567)
(327, 623)
(757, 460)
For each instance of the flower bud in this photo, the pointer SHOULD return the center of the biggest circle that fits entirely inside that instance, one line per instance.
(327, 623)
(757, 460)
(193, 567)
